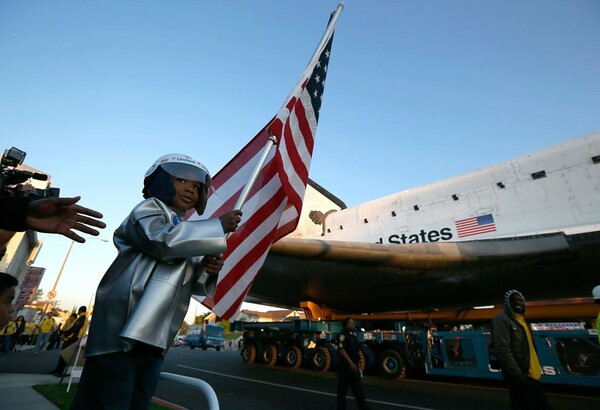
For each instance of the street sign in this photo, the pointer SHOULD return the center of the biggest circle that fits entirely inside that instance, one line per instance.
(51, 294)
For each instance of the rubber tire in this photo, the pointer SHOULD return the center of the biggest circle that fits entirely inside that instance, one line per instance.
(249, 353)
(320, 359)
(369, 358)
(269, 355)
(292, 357)
(362, 361)
(391, 365)
(415, 366)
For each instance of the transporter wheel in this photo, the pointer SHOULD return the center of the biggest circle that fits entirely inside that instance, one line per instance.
(391, 365)
(269, 355)
(369, 358)
(320, 359)
(192, 347)
(416, 350)
(292, 357)
(218, 349)
(249, 353)
(362, 361)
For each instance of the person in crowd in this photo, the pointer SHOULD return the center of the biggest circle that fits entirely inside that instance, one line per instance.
(27, 334)
(46, 326)
(34, 335)
(8, 336)
(70, 336)
(126, 343)
(513, 344)
(49, 215)
(24, 333)
(8, 285)
(18, 336)
(348, 370)
(54, 340)
(68, 323)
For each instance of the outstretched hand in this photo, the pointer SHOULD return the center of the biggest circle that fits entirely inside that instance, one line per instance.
(62, 216)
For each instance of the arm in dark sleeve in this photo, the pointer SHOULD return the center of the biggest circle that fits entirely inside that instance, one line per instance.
(13, 212)
(501, 339)
(74, 330)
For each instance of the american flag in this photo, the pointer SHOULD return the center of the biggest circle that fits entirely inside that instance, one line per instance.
(273, 206)
(475, 225)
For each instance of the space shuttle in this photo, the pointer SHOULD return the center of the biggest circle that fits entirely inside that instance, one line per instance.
(531, 223)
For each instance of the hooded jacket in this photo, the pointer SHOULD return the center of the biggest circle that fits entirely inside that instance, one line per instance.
(144, 295)
(510, 344)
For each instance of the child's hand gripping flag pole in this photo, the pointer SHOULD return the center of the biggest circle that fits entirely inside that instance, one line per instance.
(203, 286)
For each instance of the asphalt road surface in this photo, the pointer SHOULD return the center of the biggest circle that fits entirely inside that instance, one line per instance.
(248, 387)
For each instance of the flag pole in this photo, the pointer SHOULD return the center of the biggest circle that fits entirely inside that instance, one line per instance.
(271, 142)
(330, 27)
(322, 43)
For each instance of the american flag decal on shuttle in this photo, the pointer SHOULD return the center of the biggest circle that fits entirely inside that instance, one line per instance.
(475, 225)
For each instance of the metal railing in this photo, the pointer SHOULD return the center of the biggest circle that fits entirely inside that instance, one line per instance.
(197, 384)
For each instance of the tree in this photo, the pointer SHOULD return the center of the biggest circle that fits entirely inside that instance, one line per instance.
(198, 320)
(184, 328)
(226, 326)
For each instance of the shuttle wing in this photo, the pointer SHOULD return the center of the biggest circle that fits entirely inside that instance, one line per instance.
(535, 219)
(364, 277)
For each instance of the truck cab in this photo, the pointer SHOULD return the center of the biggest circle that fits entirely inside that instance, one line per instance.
(205, 336)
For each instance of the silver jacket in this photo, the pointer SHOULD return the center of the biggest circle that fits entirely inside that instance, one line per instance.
(144, 295)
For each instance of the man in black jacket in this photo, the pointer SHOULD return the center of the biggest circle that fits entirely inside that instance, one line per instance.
(513, 344)
(70, 336)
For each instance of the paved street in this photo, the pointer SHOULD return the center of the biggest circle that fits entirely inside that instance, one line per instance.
(259, 387)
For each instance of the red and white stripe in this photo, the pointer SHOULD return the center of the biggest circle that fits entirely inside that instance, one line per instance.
(274, 204)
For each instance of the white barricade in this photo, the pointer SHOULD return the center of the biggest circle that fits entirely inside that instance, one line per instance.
(211, 396)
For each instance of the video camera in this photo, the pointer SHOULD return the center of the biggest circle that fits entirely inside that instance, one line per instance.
(11, 177)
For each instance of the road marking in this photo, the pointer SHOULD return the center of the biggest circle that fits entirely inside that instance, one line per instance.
(167, 404)
(385, 403)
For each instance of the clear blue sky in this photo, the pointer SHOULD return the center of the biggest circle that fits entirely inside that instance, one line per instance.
(417, 91)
